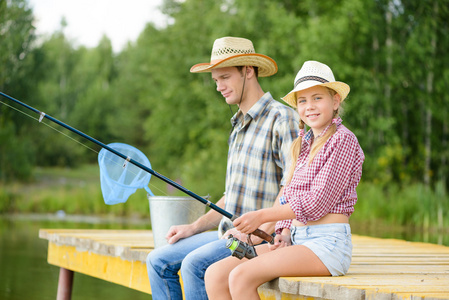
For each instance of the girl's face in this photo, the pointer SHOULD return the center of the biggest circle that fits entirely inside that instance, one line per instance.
(229, 81)
(316, 107)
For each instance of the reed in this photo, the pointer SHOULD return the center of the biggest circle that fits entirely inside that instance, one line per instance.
(409, 205)
(77, 191)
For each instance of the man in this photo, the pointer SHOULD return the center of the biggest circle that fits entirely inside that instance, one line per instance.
(259, 144)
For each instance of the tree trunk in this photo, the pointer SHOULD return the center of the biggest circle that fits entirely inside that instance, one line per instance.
(429, 90)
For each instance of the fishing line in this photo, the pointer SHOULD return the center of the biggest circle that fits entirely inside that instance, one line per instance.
(154, 187)
(48, 125)
(218, 209)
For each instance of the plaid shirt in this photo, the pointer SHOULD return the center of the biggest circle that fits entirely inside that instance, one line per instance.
(259, 151)
(328, 184)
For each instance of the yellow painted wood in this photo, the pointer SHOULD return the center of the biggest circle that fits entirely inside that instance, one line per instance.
(271, 295)
(380, 268)
(132, 274)
(424, 296)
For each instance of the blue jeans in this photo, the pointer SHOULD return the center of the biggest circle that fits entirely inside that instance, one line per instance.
(192, 256)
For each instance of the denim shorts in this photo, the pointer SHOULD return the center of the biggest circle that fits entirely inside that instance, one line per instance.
(330, 242)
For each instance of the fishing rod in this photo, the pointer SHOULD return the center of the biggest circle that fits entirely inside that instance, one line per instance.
(262, 234)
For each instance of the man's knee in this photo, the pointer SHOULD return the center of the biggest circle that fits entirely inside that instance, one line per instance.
(191, 262)
(155, 261)
(150, 261)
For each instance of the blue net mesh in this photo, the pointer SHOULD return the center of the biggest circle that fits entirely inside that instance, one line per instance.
(120, 178)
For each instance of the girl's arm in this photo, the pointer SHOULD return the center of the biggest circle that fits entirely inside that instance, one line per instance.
(334, 181)
(250, 221)
(267, 227)
(327, 189)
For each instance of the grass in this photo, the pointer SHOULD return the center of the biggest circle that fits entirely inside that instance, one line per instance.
(74, 191)
(78, 191)
(412, 205)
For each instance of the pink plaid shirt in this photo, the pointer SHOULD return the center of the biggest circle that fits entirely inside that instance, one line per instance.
(328, 184)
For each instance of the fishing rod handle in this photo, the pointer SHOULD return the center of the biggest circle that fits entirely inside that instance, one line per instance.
(258, 232)
(263, 235)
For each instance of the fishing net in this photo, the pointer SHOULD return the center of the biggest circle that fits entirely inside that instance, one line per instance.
(120, 178)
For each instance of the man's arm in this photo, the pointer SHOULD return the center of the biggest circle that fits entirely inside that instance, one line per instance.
(206, 222)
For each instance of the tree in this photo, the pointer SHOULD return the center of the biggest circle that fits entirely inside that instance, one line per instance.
(16, 34)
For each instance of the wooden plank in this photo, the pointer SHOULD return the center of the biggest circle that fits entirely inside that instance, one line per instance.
(405, 260)
(419, 296)
(132, 274)
(104, 242)
(375, 280)
(379, 294)
(381, 268)
(356, 287)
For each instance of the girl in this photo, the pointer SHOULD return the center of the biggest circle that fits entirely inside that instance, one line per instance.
(313, 236)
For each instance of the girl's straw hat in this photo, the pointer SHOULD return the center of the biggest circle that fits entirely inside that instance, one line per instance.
(234, 52)
(314, 73)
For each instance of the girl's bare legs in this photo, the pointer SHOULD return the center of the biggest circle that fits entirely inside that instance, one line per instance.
(217, 275)
(216, 278)
(295, 260)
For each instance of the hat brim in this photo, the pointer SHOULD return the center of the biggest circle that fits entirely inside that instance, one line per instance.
(340, 87)
(267, 66)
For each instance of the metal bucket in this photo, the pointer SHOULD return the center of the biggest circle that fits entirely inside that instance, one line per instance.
(166, 211)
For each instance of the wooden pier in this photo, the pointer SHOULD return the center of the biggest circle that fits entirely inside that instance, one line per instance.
(380, 269)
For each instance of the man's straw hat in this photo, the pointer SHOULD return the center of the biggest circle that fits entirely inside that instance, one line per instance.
(234, 52)
(314, 73)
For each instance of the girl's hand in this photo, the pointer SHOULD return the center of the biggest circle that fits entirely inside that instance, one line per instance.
(280, 241)
(248, 222)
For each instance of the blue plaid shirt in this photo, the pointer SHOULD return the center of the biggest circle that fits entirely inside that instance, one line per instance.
(258, 157)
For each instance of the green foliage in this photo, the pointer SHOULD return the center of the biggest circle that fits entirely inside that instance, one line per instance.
(410, 205)
(16, 154)
(73, 191)
(391, 53)
(76, 191)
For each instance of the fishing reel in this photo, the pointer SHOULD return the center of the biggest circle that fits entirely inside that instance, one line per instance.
(241, 249)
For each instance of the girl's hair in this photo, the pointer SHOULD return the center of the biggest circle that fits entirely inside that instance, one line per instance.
(318, 143)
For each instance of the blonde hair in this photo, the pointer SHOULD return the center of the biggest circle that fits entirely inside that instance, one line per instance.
(318, 143)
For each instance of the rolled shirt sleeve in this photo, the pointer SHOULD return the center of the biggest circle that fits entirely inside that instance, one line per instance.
(328, 184)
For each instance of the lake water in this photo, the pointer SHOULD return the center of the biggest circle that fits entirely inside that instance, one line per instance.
(25, 273)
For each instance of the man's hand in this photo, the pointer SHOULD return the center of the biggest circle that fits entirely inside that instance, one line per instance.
(206, 222)
(177, 232)
(242, 236)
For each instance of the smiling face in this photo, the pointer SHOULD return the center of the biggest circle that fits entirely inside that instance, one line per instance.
(316, 107)
(229, 83)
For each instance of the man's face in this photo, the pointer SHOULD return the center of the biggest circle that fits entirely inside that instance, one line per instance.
(229, 83)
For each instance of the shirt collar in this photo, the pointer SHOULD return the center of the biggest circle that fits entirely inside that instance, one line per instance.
(308, 136)
(254, 112)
